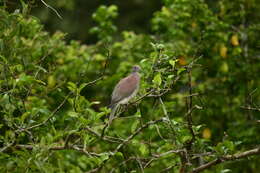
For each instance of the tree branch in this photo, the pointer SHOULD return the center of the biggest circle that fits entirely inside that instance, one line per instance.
(250, 108)
(104, 138)
(128, 139)
(189, 114)
(168, 152)
(136, 133)
(50, 7)
(222, 159)
(76, 148)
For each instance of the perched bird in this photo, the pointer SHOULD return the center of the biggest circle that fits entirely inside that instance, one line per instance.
(125, 89)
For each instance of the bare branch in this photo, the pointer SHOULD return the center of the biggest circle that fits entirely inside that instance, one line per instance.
(104, 138)
(76, 148)
(250, 108)
(142, 97)
(222, 159)
(189, 114)
(50, 7)
(168, 152)
(140, 164)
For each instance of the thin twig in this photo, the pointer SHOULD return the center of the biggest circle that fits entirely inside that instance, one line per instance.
(123, 162)
(76, 148)
(128, 139)
(142, 97)
(46, 120)
(149, 162)
(50, 7)
(168, 168)
(168, 152)
(136, 133)
(250, 108)
(166, 115)
(7, 146)
(159, 133)
(189, 115)
(104, 138)
(140, 164)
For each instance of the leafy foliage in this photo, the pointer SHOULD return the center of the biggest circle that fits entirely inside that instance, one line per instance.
(197, 100)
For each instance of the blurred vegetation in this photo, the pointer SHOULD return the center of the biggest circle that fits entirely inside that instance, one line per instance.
(134, 15)
(200, 83)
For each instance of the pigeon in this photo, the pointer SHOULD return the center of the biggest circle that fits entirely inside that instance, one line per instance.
(125, 89)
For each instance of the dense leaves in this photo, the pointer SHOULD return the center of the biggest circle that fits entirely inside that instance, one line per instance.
(198, 99)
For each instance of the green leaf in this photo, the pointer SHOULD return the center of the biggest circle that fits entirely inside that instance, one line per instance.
(100, 114)
(24, 116)
(72, 86)
(170, 76)
(143, 149)
(185, 138)
(40, 82)
(119, 155)
(225, 171)
(229, 144)
(172, 62)
(157, 80)
(73, 114)
(4, 59)
(94, 103)
(180, 71)
(82, 86)
(24, 79)
(104, 157)
(134, 126)
(138, 113)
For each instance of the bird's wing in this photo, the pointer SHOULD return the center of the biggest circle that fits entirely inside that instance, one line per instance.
(125, 88)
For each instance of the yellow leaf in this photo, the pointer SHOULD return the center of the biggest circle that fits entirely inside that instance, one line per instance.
(224, 67)
(206, 134)
(223, 51)
(51, 81)
(193, 25)
(33, 91)
(182, 61)
(60, 61)
(166, 11)
(234, 40)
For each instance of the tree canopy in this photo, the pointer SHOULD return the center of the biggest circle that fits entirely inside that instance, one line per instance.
(198, 104)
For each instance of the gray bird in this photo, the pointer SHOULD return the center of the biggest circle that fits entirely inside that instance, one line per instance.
(125, 89)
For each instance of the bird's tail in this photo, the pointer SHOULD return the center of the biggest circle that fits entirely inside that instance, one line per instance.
(112, 113)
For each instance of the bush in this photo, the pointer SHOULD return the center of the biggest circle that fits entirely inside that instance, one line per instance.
(197, 102)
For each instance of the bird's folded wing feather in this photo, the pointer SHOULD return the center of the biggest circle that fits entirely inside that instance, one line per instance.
(125, 88)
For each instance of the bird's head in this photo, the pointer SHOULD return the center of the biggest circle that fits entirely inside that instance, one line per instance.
(136, 68)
